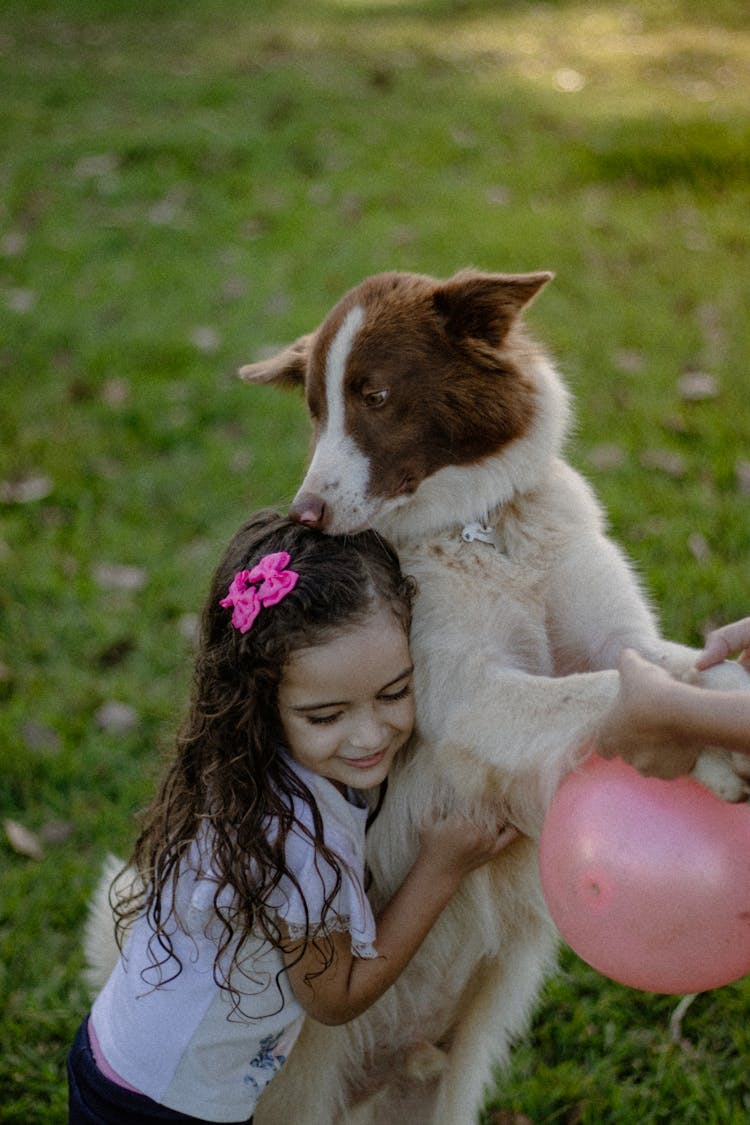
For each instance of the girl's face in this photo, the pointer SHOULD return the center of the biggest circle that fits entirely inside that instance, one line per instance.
(346, 706)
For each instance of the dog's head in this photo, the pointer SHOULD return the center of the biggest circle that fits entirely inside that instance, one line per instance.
(405, 378)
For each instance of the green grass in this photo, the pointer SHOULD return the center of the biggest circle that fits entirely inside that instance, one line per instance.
(183, 186)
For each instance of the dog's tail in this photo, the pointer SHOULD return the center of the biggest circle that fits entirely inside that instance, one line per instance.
(100, 947)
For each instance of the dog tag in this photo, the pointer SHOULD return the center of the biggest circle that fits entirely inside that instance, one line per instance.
(477, 531)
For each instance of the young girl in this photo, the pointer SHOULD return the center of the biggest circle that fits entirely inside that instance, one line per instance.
(656, 715)
(252, 908)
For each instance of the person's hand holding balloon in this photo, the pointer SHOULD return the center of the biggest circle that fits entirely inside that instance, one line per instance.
(648, 880)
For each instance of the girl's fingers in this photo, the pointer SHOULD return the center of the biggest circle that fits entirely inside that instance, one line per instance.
(722, 643)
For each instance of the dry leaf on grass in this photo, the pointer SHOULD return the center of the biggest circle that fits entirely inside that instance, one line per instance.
(39, 738)
(698, 547)
(697, 386)
(742, 476)
(22, 840)
(25, 490)
(607, 456)
(664, 461)
(116, 718)
(114, 576)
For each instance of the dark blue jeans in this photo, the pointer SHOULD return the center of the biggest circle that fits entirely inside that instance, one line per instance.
(94, 1100)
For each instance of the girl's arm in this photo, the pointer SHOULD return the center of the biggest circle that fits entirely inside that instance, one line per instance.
(450, 849)
(660, 724)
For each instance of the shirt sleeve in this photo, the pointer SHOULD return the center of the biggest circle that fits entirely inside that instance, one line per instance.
(303, 906)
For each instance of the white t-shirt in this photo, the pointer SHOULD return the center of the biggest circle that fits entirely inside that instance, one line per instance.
(184, 1043)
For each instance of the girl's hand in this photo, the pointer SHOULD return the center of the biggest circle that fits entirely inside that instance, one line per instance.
(723, 643)
(455, 844)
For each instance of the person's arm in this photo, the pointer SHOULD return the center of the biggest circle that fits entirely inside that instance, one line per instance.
(450, 849)
(660, 725)
(723, 643)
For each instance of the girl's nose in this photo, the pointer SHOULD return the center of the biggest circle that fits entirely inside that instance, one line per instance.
(369, 733)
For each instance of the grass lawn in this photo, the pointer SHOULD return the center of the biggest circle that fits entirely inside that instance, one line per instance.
(185, 185)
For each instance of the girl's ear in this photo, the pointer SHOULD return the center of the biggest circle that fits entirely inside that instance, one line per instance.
(287, 369)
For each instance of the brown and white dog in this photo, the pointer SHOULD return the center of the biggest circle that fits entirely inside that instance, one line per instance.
(439, 422)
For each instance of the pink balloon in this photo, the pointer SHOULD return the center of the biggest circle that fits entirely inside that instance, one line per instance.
(648, 880)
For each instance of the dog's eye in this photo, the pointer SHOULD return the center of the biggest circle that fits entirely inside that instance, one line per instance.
(376, 398)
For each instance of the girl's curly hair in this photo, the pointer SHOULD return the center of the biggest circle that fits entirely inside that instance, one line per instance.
(225, 775)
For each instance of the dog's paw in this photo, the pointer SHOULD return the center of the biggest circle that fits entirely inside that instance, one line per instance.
(741, 766)
(424, 1062)
(716, 770)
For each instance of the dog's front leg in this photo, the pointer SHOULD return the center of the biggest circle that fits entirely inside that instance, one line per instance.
(513, 736)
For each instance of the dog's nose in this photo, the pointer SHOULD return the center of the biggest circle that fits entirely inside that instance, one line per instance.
(308, 508)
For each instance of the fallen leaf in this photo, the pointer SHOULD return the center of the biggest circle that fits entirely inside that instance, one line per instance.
(22, 841)
(116, 718)
(664, 460)
(114, 576)
(569, 81)
(607, 456)
(40, 738)
(13, 243)
(166, 210)
(25, 490)
(697, 386)
(698, 547)
(205, 338)
(629, 360)
(189, 627)
(742, 475)
(99, 164)
(21, 300)
(116, 392)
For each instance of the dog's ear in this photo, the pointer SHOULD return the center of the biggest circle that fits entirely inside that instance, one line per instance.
(287, 369)
(482, 306)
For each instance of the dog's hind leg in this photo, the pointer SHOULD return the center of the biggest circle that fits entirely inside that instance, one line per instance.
(497, 1014)
(311, 1088)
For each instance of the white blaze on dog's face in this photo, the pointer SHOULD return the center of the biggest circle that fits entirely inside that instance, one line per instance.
(339, 472)
(407, 376)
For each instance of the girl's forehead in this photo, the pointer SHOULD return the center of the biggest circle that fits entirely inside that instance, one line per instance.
(375, 650)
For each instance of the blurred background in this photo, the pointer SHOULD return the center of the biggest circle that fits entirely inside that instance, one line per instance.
(187, 186)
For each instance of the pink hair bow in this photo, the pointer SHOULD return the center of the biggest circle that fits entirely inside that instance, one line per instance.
(247, 598)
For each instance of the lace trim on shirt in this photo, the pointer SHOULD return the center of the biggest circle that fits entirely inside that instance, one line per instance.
(340, 924)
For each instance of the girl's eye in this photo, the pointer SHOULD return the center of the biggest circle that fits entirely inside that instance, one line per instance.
(322, 720)
(377, 398)
(402, 693)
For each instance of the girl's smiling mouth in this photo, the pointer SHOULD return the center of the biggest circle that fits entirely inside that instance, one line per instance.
(366, 763)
